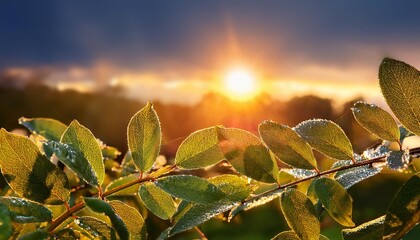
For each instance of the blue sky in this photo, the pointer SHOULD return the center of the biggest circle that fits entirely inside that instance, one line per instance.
(192, 39)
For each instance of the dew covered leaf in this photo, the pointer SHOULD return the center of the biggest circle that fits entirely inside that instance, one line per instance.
(400, 85)
(132, 219)
(29, 173)
(88, 163)
(348, 178)
(198, 214)
(157, 201)
(287, 145)
(326, 137)
(404, 211)
(377, 121)
(100, 206)
(246, 153)
(253, 203)
(300, 214)
(235, 188)
(98, 229)
(25, 211)
(371, 230)
(49, 128)
(6, 227)
(336, 200)
(397, 160)
(35, 235)
(144, 137)
(190, 188)
(200, 149)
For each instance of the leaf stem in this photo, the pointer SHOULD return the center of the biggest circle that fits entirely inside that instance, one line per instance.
(79, 206)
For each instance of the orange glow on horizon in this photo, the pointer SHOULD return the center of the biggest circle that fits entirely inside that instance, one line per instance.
(240, 84)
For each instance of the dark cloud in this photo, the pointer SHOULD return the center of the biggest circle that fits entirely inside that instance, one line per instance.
(155, 35)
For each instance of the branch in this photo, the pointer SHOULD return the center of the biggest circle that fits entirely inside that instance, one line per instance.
(79, 206)
(357, 164)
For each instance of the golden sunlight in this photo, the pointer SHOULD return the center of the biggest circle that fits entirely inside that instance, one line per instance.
(240, 84)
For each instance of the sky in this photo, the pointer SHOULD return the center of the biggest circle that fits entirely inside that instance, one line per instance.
(177, 51)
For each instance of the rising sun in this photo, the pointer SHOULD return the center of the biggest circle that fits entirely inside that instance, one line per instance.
(240, 84)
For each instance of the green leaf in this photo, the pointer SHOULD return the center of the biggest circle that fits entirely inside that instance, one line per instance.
(198, 214)
(157, 201)
(36, 235)
(67, 234)
(336, 200)
(377, 121)
(144, 137)
(235, 188)
(96, 228)
(400, 85)
(263, 199)
(87, 161)
(200, 149)
(6, 227)
(100, 206)
(300, 214)
(326, 137)
(290, 235)
(29, 173)
(49, 128)
(371, 230)
(129, 191)
(132, 219)
(404, 211)
(190, 188)
(25, 211)
(246, 153)
(287, 235)
(287, 145)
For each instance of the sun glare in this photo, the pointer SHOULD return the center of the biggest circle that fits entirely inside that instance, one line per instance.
(240, 84)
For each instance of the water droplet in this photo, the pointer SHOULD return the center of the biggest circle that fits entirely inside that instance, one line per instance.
(398, 160)
(300, 173)
(350, 177)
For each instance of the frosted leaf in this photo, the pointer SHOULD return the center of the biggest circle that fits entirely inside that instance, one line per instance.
(398, 160)
(300, 173)
(353, 176)
(266, 198)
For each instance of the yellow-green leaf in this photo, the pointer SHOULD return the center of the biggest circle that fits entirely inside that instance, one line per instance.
(400, 85)
(246, 153)
(326, 137)
(87, 161)
(49, 128)
(100, 206)
(404, 211)
(377, 121)
(144, 137)
(98, 229)
(235, 188)
(336, 200)
(300, 214)
(191, 188)
(29, 173)
(25, 211)
(200, 149)
(290, 235)
(157, 201)
(132, 219)
(287, 145)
